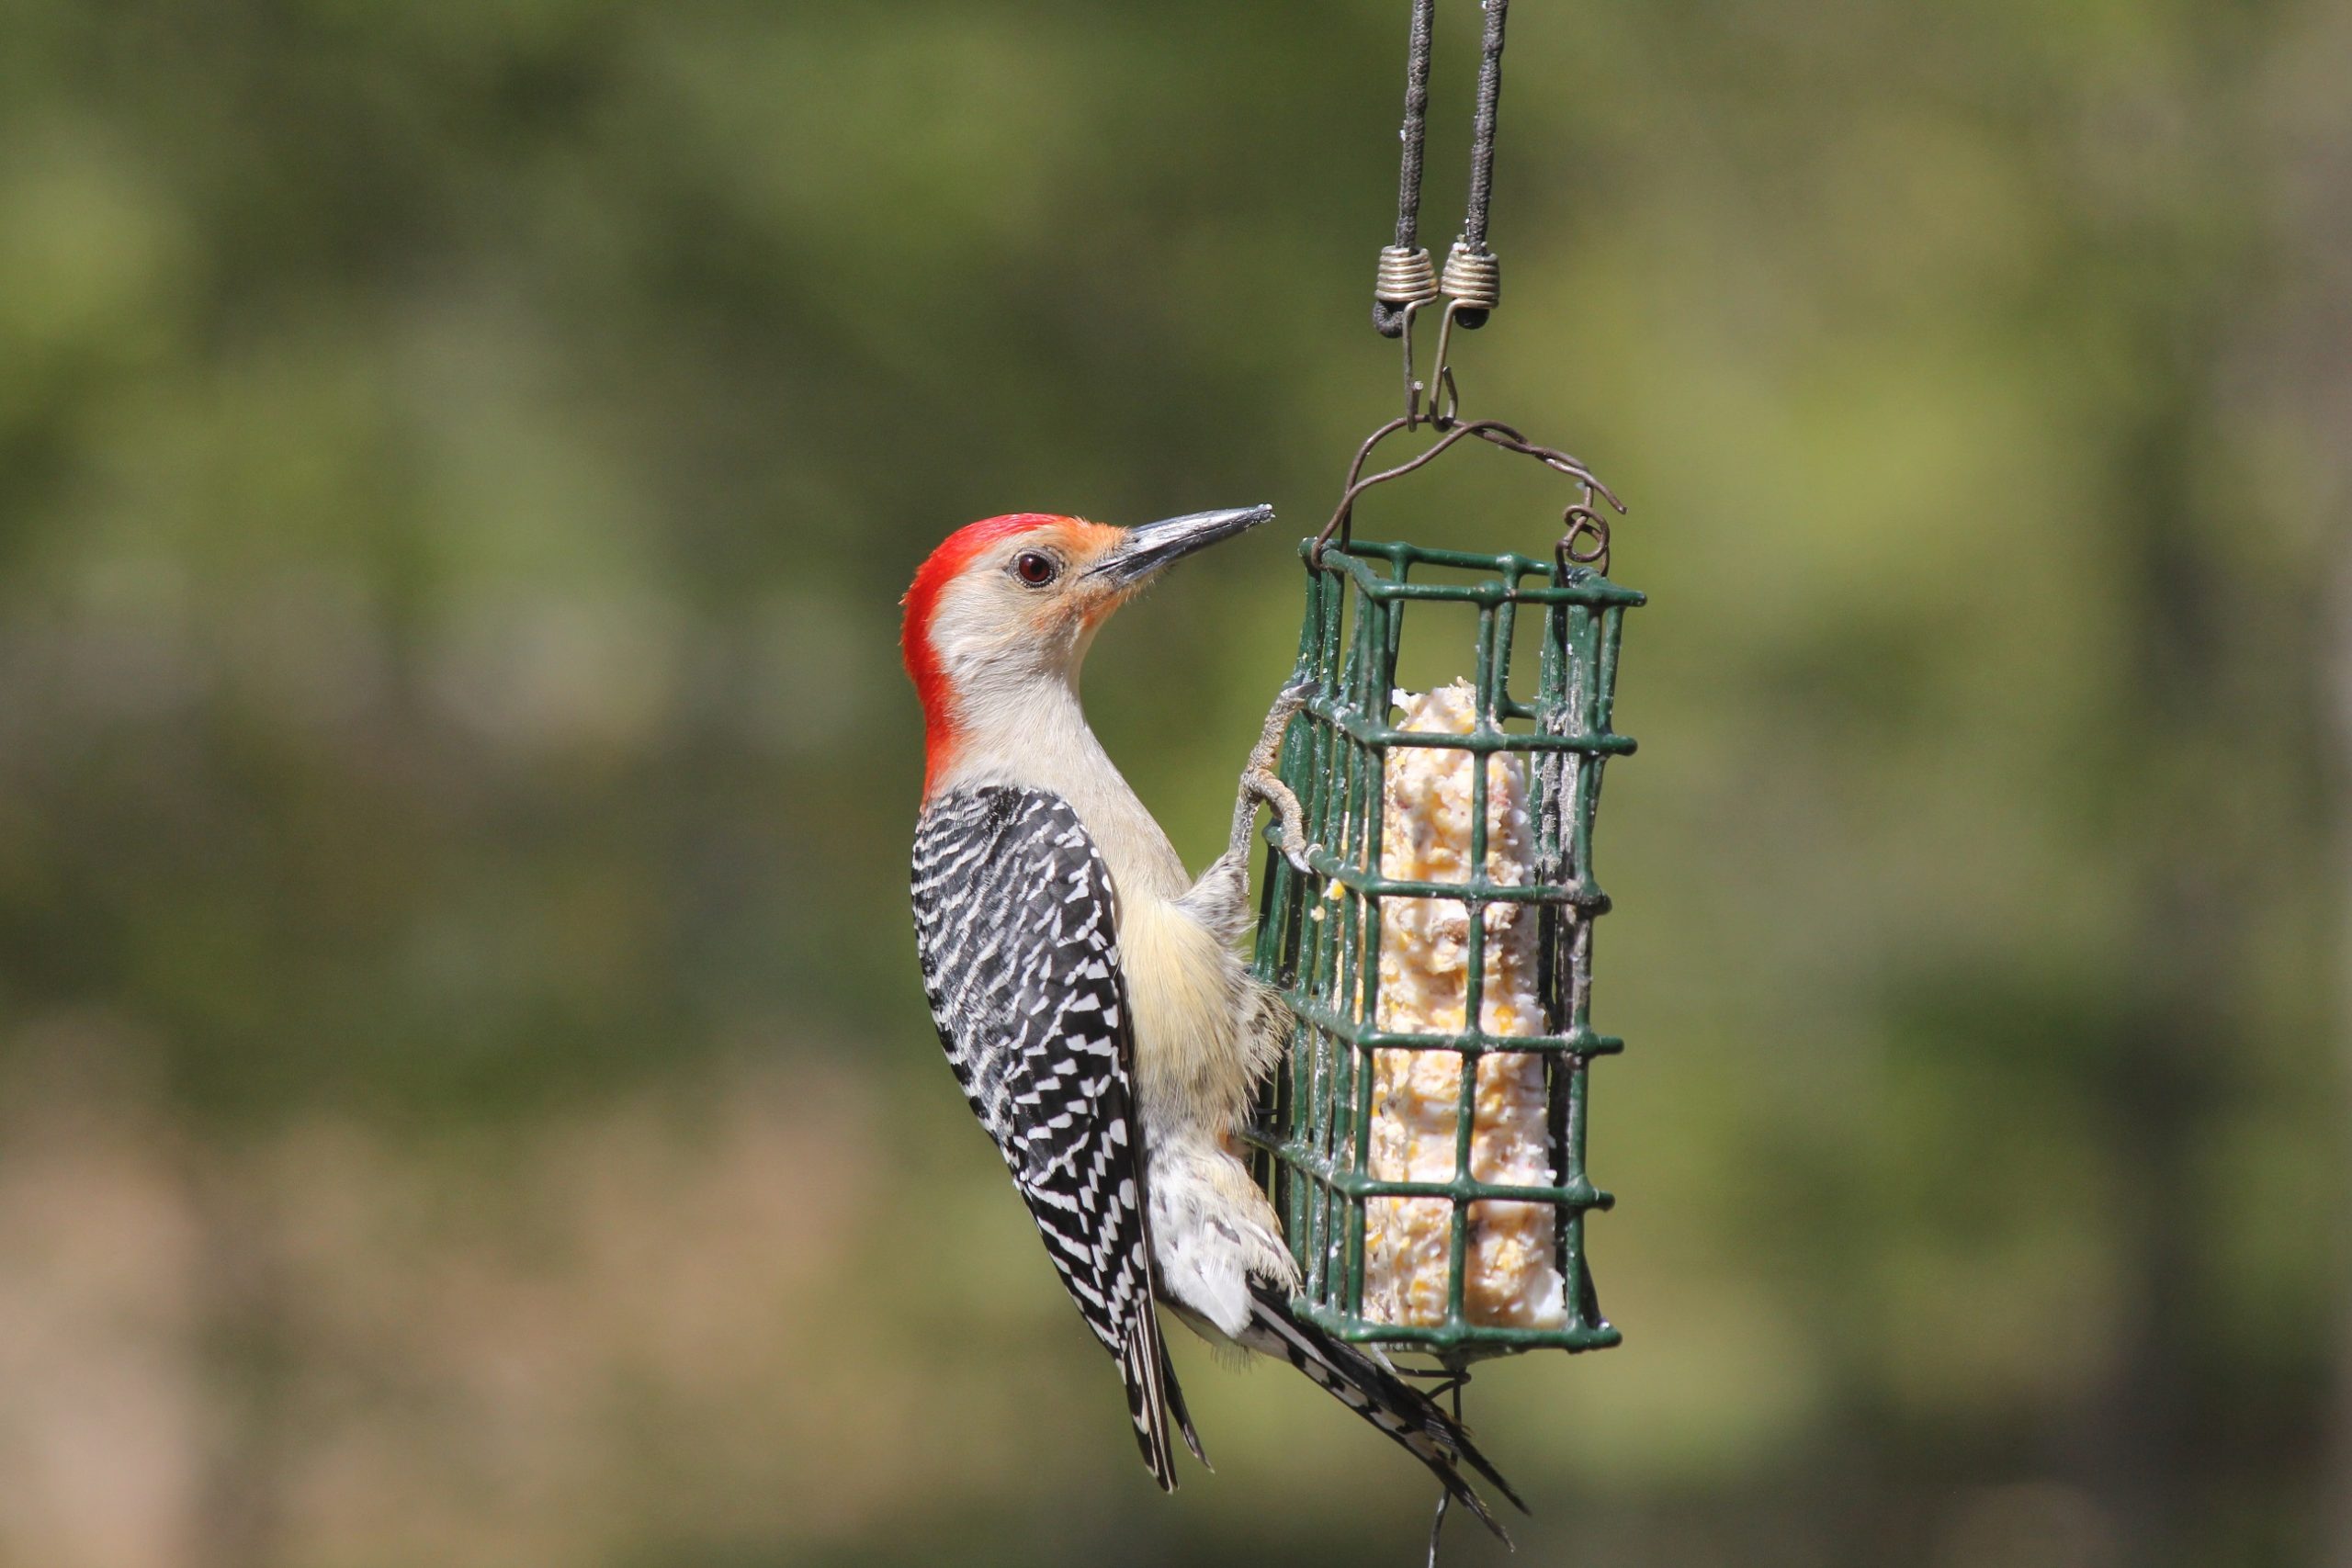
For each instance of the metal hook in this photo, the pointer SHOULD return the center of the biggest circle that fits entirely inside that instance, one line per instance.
(1583, 522)
(1456, 1379)
(1413, 388)
(1444, 397)
(1442, 373)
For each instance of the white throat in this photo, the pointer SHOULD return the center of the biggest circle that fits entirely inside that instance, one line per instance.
(1031, 732)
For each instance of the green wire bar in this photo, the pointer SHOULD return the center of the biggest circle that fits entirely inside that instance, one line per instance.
(1312, 1141)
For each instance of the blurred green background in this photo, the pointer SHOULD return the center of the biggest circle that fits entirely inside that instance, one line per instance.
(465, 1094)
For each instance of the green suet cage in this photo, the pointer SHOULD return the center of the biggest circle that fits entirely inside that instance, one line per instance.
(1319, 933)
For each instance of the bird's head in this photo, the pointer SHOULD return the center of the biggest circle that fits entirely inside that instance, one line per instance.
(1003, 610)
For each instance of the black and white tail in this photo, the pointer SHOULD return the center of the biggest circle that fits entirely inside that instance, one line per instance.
(1373, 1390)
(1153, 1399)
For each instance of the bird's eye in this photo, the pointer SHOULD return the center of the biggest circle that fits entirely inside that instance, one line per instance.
(1034, 569)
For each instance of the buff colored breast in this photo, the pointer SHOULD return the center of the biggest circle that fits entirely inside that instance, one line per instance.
(1184, 986)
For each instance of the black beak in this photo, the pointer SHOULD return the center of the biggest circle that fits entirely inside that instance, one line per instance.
(1151, 546)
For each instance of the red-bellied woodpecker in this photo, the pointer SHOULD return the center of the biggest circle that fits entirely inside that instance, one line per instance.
(1088, 991)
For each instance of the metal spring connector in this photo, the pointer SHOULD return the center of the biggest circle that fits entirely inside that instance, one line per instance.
(1406, 278)
(1472, 279)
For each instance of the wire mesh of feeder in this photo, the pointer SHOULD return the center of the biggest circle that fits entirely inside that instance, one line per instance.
(1320, 932)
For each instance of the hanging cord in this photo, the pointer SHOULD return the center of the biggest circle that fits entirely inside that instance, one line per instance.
(1407, 280)
(1407, 277)
(1472, 275)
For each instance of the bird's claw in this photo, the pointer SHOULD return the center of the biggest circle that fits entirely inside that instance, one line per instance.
(1260, 783)
(1284, 801)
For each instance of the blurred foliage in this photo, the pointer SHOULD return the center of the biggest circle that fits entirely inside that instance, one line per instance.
(464, 1091)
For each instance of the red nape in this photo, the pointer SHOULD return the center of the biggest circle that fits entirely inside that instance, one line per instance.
(953, 555)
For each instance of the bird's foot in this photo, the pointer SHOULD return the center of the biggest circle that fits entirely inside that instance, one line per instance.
(1260, 783)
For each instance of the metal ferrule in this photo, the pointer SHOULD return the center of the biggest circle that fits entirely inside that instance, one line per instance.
(1473, 277)
(1406, 278)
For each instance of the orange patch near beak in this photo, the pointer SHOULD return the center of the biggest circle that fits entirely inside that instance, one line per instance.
(1094, 541)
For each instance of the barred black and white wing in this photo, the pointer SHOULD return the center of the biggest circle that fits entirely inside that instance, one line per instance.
(1016, 926)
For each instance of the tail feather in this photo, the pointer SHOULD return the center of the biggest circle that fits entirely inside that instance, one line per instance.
(1373, 1390)
(1176, 1408)
(1151, 1392)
